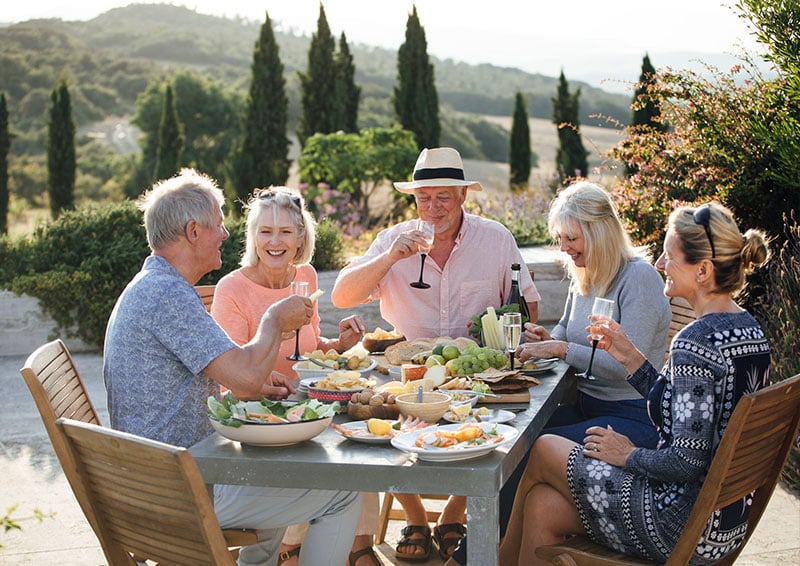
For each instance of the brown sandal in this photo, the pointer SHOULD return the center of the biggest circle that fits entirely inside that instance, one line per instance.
(367, 550)
(424, 543)
(287, 555)
(447, 544)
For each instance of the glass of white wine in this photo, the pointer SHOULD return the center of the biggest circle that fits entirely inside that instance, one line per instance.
(297, 288)
(604, 308)
(428, 230)
(512, 332)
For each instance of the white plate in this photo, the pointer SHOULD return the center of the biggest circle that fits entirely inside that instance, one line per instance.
(272, 434)
(541, 367)
(319, 373)
(494, 416)
(362, 434)
(406, 443)
(395, 372)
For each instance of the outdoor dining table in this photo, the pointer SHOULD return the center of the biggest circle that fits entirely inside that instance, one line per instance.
(330, 461)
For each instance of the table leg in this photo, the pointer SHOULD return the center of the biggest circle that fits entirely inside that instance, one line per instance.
(483, 525)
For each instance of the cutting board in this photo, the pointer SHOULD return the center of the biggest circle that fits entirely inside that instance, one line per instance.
(520, 397)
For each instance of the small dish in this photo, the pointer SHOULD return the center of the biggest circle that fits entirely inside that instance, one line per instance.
(542, 366)
(407, 443)
(343, 395)
(494, 416)
(357, 432)
(316, 371)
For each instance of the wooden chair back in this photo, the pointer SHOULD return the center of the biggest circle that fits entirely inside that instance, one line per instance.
(206, 293)
(682, 314)
(148, 497)
(749, 459)
(59, 391)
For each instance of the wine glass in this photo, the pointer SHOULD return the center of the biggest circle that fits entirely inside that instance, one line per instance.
(428, 232)
(297, 288)
(604, 308)
(512, 331)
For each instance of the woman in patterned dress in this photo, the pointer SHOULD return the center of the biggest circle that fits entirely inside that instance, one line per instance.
(637, 500)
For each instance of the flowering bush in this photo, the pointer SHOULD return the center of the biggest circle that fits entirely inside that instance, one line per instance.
(524, 214)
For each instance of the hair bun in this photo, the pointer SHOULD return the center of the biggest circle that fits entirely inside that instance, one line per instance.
(755, 251)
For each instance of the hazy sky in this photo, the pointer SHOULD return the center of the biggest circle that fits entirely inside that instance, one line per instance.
(591, 40)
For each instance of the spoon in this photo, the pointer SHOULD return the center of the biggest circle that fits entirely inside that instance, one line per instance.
(319, 363)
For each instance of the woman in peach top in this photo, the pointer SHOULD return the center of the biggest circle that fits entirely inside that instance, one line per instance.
(279, 246)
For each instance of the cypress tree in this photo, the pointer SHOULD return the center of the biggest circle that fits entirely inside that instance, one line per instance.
(317, 84)
(646, 112)
(346, 93)
(519, 146)
(170, 140)
(5, 146)
(571, 155)
(61, 151)
(416, 102)
(261, 158)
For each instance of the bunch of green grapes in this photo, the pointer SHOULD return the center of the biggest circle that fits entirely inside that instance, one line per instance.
(475, 359)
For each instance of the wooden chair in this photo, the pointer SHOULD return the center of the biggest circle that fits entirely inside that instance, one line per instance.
(206, 293)
(682, 314)
(749, 458)
(390, 513)
(148, 498)
(59, 391)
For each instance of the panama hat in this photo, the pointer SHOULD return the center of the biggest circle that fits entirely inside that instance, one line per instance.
(438, 167)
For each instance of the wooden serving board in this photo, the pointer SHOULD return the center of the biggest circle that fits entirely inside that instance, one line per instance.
(521, 397)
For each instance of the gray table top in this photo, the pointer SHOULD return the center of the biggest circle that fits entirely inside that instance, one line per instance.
(330, 461)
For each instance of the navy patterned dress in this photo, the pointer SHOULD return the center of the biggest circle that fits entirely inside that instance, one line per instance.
(641, 509)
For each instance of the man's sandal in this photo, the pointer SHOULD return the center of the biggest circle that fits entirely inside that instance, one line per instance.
(447, 544)
(424, 543)
(367, 550)
(287, 555)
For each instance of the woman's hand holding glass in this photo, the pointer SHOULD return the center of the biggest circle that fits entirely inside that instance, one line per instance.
(612, 338)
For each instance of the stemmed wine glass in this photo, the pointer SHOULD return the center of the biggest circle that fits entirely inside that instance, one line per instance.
(512, 331)
(604, 308)
(428, 232)
(297, 288)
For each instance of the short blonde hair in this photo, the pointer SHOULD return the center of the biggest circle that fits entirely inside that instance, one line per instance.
(734, 254)
(293, 203)
(607, 248)
(172, 203)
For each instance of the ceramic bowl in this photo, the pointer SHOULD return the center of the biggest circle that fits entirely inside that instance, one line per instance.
(307, 369)
(272, 434)
(433, 407)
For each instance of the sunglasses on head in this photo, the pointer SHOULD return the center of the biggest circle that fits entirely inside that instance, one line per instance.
(702, 216)
(265, 194)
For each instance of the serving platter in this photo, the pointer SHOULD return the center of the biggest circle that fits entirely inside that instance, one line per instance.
(272, 434)
(407, 443)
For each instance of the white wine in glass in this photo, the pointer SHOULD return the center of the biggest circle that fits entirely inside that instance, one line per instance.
(297, 288)
(605, 309)
(512, 332)
(428, 230)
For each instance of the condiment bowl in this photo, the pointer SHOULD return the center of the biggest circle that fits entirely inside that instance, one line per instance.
(433, 407)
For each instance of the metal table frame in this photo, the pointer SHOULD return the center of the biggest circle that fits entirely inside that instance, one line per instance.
(332, 462)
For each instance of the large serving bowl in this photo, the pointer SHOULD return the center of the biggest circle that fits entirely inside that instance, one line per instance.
(272, 434)
(433, 407)
(306, 369)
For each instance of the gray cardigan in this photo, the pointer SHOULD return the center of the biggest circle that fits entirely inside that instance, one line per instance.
(644, 314)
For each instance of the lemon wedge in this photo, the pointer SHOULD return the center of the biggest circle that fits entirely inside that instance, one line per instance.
(461, 410)
(378, 427)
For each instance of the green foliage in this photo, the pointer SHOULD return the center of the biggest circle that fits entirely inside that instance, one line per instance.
(261, 159)
(783, 288)
(318, 83)
(208, 112)
(78, 265)
(8, 522)
(416, 102)
(170, 140)
(571, 155)
(61, 152)
(646, 112)
(346, 93)
(519, 146)
(5, 146)
(329, 249)
(524, 214)
(357, 164)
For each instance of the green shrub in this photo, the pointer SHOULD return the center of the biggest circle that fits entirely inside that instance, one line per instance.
(782, 321)
(329, 251)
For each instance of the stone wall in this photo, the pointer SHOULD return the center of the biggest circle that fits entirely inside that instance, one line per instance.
(23, 326)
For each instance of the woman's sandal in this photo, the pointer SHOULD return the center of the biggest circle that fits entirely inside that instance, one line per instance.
(424, 543)
(367, 550)
(447, 544)
(287, 555)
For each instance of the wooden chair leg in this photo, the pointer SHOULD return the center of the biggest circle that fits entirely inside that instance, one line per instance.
(383, 518)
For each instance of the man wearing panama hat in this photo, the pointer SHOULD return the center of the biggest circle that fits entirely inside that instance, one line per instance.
(468, 269)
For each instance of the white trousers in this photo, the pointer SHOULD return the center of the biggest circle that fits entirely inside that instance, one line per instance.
(332, 517)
